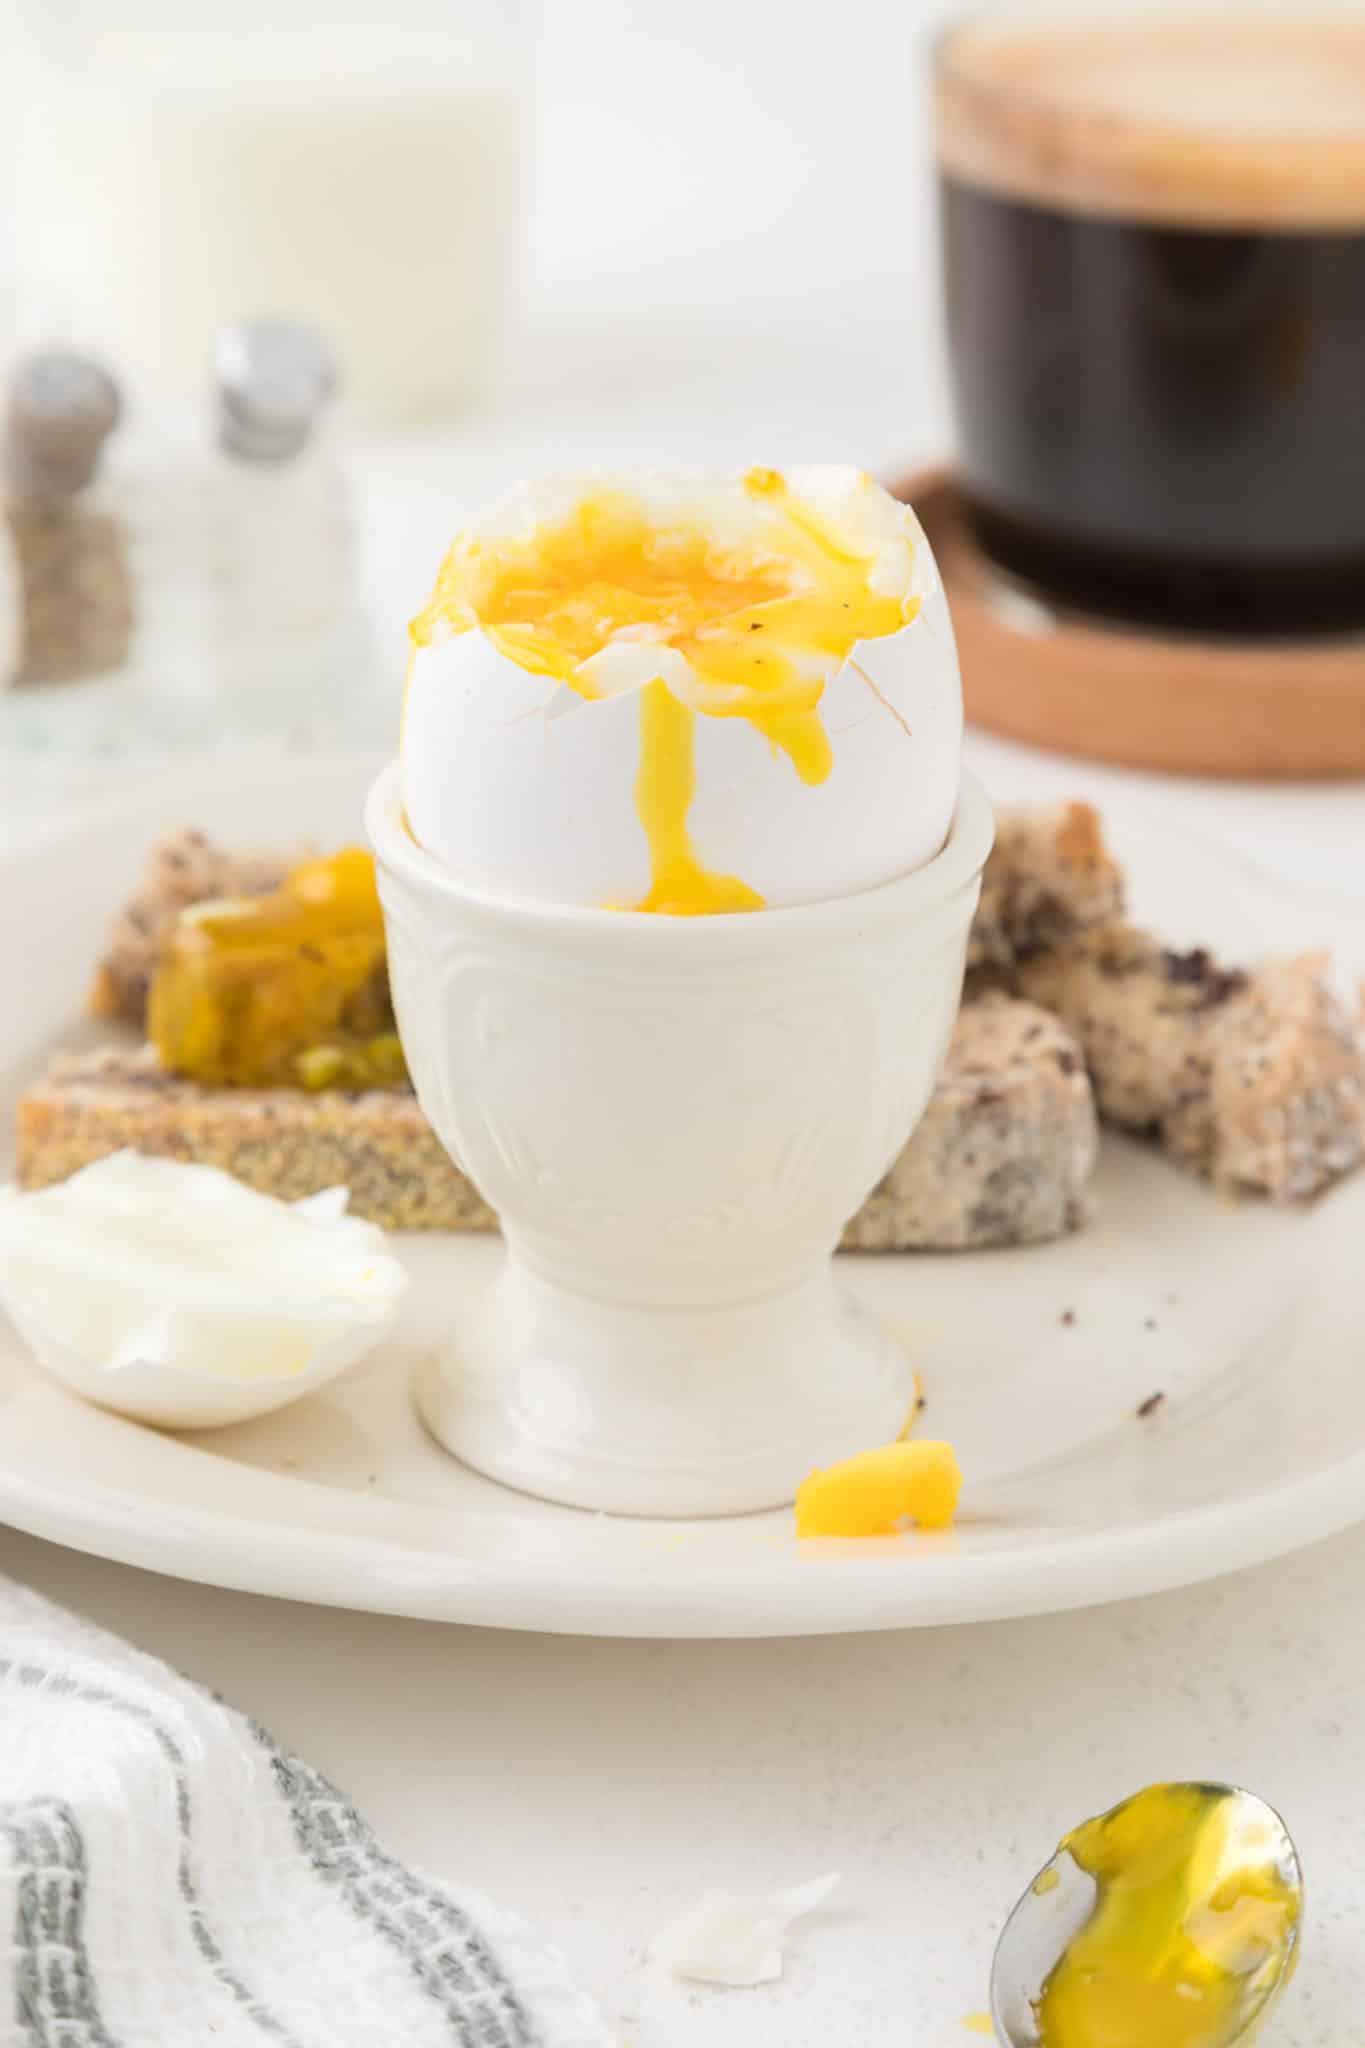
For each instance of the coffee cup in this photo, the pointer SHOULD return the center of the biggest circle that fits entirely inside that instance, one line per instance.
(1153, 231)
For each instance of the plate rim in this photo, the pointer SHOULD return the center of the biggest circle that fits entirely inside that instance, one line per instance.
(1185, 1547)
(631, 1597)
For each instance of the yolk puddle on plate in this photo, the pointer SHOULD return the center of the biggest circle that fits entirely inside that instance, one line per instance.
(761, 626)
(1188, 1933)
(876, 1493)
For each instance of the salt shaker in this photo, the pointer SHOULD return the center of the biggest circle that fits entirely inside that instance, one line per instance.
(290, 644)
(76, 602)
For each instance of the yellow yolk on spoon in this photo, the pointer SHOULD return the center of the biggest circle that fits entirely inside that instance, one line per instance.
(761, 627)
(1189, 1931)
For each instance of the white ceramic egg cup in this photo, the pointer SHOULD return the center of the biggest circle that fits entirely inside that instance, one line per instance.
(673, 1118)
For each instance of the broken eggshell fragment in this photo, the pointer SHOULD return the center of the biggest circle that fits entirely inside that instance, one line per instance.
(735, 1938)
(174, 1295)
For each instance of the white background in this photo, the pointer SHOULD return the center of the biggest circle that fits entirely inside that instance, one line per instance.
(705, 170)
(729, 255)
(699, 172)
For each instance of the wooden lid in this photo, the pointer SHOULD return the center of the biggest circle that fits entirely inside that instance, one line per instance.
(1274, 710)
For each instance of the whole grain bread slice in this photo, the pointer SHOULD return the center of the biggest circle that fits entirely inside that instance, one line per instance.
(1049, 876)
(1006, 1147)
(1001, 1157)
(283, 1141)
(183, 867)
(1254, 1079)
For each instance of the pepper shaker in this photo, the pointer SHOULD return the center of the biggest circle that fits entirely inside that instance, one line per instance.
(11, 608)
(76, 606)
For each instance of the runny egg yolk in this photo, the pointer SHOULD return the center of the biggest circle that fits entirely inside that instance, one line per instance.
(877, 1493)
(761, 627)
(1191, 1927)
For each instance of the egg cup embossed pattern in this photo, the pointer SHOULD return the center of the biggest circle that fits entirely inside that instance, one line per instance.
(674, 1118)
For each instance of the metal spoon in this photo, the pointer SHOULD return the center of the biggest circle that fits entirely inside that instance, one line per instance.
(1060, 1901)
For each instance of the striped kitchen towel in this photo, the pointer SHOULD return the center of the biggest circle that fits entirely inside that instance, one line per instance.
(171, 1878)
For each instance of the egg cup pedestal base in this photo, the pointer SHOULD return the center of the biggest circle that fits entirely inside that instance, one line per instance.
(674, 1411)
(674, 1118)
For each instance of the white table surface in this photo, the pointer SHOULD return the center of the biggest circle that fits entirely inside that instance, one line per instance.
(598, 1786)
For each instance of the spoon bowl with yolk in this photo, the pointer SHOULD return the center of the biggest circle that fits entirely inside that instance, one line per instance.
(1172, 1921)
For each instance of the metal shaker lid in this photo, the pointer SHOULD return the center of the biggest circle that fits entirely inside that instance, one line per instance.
(274, 379)
(62, 408)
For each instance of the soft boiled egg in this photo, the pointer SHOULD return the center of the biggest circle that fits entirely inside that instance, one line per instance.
(685, 693)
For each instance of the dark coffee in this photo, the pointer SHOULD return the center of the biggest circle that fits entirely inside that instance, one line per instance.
(1154, 253)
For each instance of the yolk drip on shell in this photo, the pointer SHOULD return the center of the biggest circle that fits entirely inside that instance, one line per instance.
(1190, 1927)
(680, 886)
(760, 627)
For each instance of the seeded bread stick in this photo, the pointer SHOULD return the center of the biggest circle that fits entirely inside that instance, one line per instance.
(1050, 875)
(1001, 1156)
(1255, 1080)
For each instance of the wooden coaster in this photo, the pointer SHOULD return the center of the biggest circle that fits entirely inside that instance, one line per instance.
(1276, 710)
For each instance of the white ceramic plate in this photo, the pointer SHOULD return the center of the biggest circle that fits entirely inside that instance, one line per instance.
(1246, 1319)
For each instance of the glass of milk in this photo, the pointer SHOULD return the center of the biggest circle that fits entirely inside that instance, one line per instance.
(358, 165)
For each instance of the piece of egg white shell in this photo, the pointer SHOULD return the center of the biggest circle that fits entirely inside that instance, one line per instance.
(736, 1938)
(173, 1395)
(523, 788)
